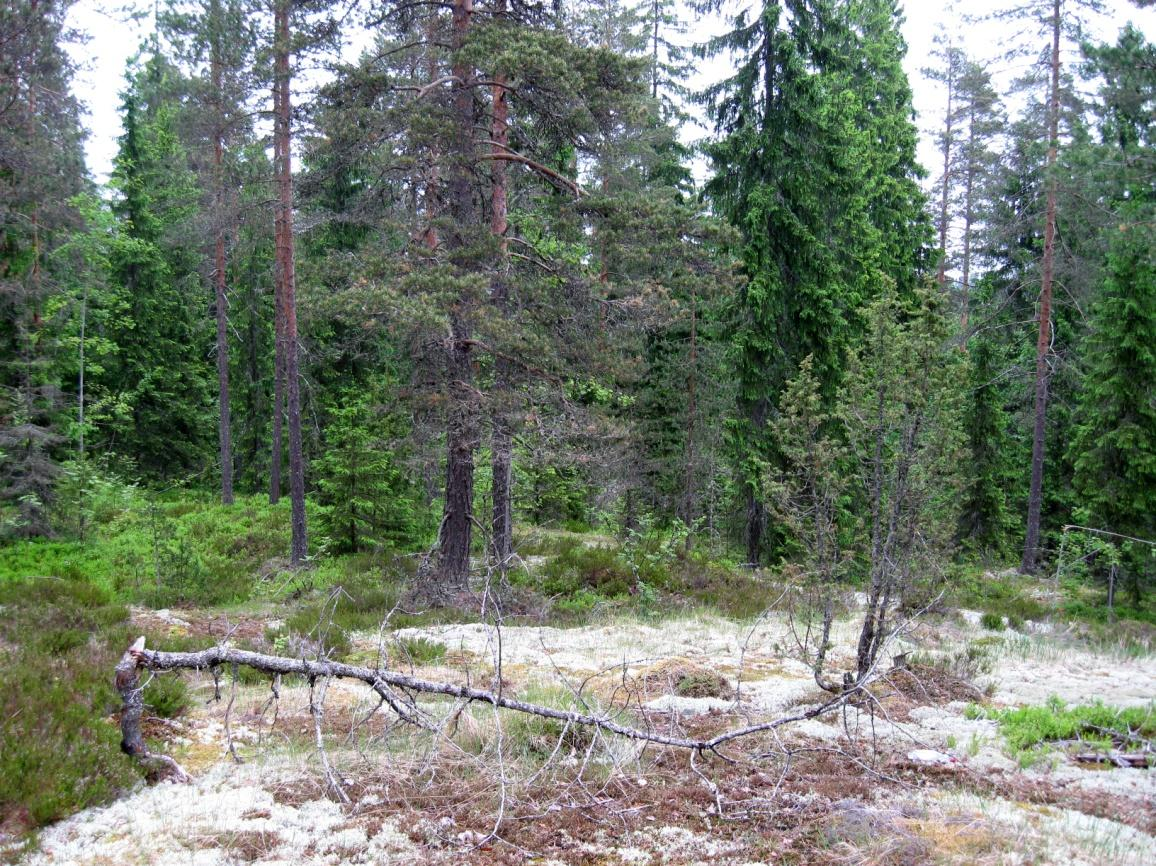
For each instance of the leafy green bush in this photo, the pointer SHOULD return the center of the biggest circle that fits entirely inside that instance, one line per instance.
(598, 569)
(1007, 595)
(555, 495)
(88, 496)
(179, 548)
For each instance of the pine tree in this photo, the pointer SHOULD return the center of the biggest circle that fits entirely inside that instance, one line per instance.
(982, 119)
(215, 39)
(498, 321)
(1053, 22)
(299, 27)
(948, 72)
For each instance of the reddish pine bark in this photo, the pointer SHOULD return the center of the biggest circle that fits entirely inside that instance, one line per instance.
(456, 533)
(286, 277)
(1043, 339)
(501, 441)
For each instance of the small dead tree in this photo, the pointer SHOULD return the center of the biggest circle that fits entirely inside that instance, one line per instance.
(889, 452)
(900, 410)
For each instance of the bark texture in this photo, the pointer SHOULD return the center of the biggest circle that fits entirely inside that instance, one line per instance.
(501, 441)
(456, 535)
(224, 426)
(287, 277)
(1043, 339)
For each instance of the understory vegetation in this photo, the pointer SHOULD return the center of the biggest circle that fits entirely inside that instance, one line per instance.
(66, 621)
(394, 320)
(1030, 732)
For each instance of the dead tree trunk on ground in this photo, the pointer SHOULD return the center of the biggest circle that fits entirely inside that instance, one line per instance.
(396, 690)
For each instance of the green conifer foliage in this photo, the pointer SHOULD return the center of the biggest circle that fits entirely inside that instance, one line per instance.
(41, 171)
(816, 167)
(1115, 445)
(1114, 448)
(369, 502)
(163, 370)
(985, 517)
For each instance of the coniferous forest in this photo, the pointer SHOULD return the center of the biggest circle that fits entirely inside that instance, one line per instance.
(401, 330)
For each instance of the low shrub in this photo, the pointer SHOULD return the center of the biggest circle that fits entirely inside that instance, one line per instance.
(991, 621)
(1095, 724)
(537, 736)
(703, 684)
(167, 695)
(576, 567)
(420, 650)
(59, 642)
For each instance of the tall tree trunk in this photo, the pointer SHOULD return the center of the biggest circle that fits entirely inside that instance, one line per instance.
(501, 441)
(286, 274)
(432, 178)
(1043, 339)
(968, 221)
(689, 494)
(456, 533)
(945, 186)
(756, 520)
(756, 511)
(224, 429)
(275, 458)
(654, 52)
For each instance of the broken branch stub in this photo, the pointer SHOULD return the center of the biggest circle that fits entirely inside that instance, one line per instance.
(384, 682)
(132, 742)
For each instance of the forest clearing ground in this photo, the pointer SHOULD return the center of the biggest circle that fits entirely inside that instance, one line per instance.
(414, 802)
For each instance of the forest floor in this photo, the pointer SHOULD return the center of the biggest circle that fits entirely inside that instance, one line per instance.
(921, 774)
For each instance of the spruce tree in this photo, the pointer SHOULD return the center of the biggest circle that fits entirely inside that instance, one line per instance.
(41, 171)
(1114, 449)
(161, 375)
(816, 168)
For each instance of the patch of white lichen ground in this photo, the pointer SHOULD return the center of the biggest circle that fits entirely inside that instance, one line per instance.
(274, 809)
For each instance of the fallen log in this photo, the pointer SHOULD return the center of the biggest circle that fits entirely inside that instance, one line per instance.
(387, 684)
(1120, 759)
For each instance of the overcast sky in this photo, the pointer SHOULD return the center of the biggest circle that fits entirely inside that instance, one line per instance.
(111, 42)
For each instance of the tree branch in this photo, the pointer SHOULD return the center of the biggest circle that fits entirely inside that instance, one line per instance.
(382, 681)
(504, 153)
